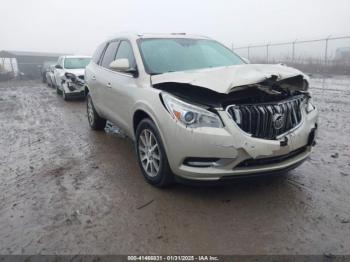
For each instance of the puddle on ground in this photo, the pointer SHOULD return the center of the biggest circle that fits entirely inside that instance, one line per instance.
(114, 130)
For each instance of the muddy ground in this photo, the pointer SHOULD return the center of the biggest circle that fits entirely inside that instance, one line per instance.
(65, 189)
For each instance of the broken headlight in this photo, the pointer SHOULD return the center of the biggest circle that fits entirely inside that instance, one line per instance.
(69, 75)
(190, 115)
(309, 106)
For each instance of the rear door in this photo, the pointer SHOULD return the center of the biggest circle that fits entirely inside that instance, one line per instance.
(103, 76)
(92, 78)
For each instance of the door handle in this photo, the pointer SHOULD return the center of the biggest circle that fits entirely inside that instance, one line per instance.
(109, 85)
(93, 77)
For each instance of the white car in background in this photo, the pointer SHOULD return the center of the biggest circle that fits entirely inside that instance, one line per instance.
(69, 76)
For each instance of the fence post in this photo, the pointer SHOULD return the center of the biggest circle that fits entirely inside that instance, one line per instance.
(267, 53)
(293, 50)
(326, 51)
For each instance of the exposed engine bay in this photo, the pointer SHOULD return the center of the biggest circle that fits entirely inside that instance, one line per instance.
(269, 90)
(266, 110)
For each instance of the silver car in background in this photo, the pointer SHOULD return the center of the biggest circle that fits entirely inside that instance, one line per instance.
(50, 77)
(197, 111)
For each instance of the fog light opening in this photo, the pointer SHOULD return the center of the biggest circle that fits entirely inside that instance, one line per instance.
(201, 162)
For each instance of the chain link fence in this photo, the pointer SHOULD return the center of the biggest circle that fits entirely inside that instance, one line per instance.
(328, 56)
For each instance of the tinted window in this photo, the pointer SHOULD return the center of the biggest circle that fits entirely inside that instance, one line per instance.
(97, 55)
(109, 55)
(170, 55)
(125, 51)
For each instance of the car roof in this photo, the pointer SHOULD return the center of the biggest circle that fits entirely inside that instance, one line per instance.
(135, 36)
(77, 56)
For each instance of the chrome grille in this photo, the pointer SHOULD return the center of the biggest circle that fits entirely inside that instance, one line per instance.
(267, 120)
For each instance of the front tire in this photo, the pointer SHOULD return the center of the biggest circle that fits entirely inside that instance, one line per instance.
(58, 91)
(64, 95)
(95, 121)
(151, 155)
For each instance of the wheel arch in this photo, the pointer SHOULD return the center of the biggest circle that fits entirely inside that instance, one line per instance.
(138, 116)
(86, 90)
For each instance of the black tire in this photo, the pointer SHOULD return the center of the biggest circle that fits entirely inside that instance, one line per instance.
(64, 95)
(95, 121)
(164, 177)
(58, 91)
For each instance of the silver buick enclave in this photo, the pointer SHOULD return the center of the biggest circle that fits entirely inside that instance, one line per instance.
(196, 110)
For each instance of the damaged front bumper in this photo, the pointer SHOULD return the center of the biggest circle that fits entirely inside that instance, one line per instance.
(74, 87)
(219, 153)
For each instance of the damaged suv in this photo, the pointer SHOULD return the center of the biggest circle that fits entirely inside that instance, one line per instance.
(197, 111)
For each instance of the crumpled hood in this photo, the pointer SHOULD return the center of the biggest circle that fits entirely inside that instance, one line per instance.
(225, 79)
(77, 72)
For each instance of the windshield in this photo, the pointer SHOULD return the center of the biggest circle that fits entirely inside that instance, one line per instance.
(76, 62)
(180, 54)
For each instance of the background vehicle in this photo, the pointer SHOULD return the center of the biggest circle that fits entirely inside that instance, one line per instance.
(50, 76)
(69, 75)
(45, 68)
(197, 110)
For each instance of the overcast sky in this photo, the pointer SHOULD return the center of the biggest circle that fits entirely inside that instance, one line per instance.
(78, 26)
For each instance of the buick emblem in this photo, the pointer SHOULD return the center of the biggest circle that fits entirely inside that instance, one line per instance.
(278, 121)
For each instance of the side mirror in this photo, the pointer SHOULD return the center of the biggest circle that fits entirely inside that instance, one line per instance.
(58, 66)
(121, 64)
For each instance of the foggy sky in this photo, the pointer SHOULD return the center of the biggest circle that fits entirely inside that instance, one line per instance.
(78, 26)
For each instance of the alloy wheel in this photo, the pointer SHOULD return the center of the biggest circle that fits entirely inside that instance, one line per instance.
(90, 111)
(149, 152)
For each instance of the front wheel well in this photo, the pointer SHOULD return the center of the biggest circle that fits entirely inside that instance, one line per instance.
(139, 115)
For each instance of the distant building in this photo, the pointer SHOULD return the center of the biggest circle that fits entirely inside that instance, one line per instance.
(27, 63)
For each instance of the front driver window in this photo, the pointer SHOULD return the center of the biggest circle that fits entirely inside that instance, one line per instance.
(109, 55)
(125, 51)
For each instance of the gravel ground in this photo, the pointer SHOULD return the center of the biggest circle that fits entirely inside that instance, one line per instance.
(65, 189)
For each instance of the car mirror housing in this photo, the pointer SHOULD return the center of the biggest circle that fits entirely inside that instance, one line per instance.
(121, 64)
(58, 66)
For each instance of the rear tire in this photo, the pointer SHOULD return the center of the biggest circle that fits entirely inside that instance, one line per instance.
(95, 121)
(151, 155)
